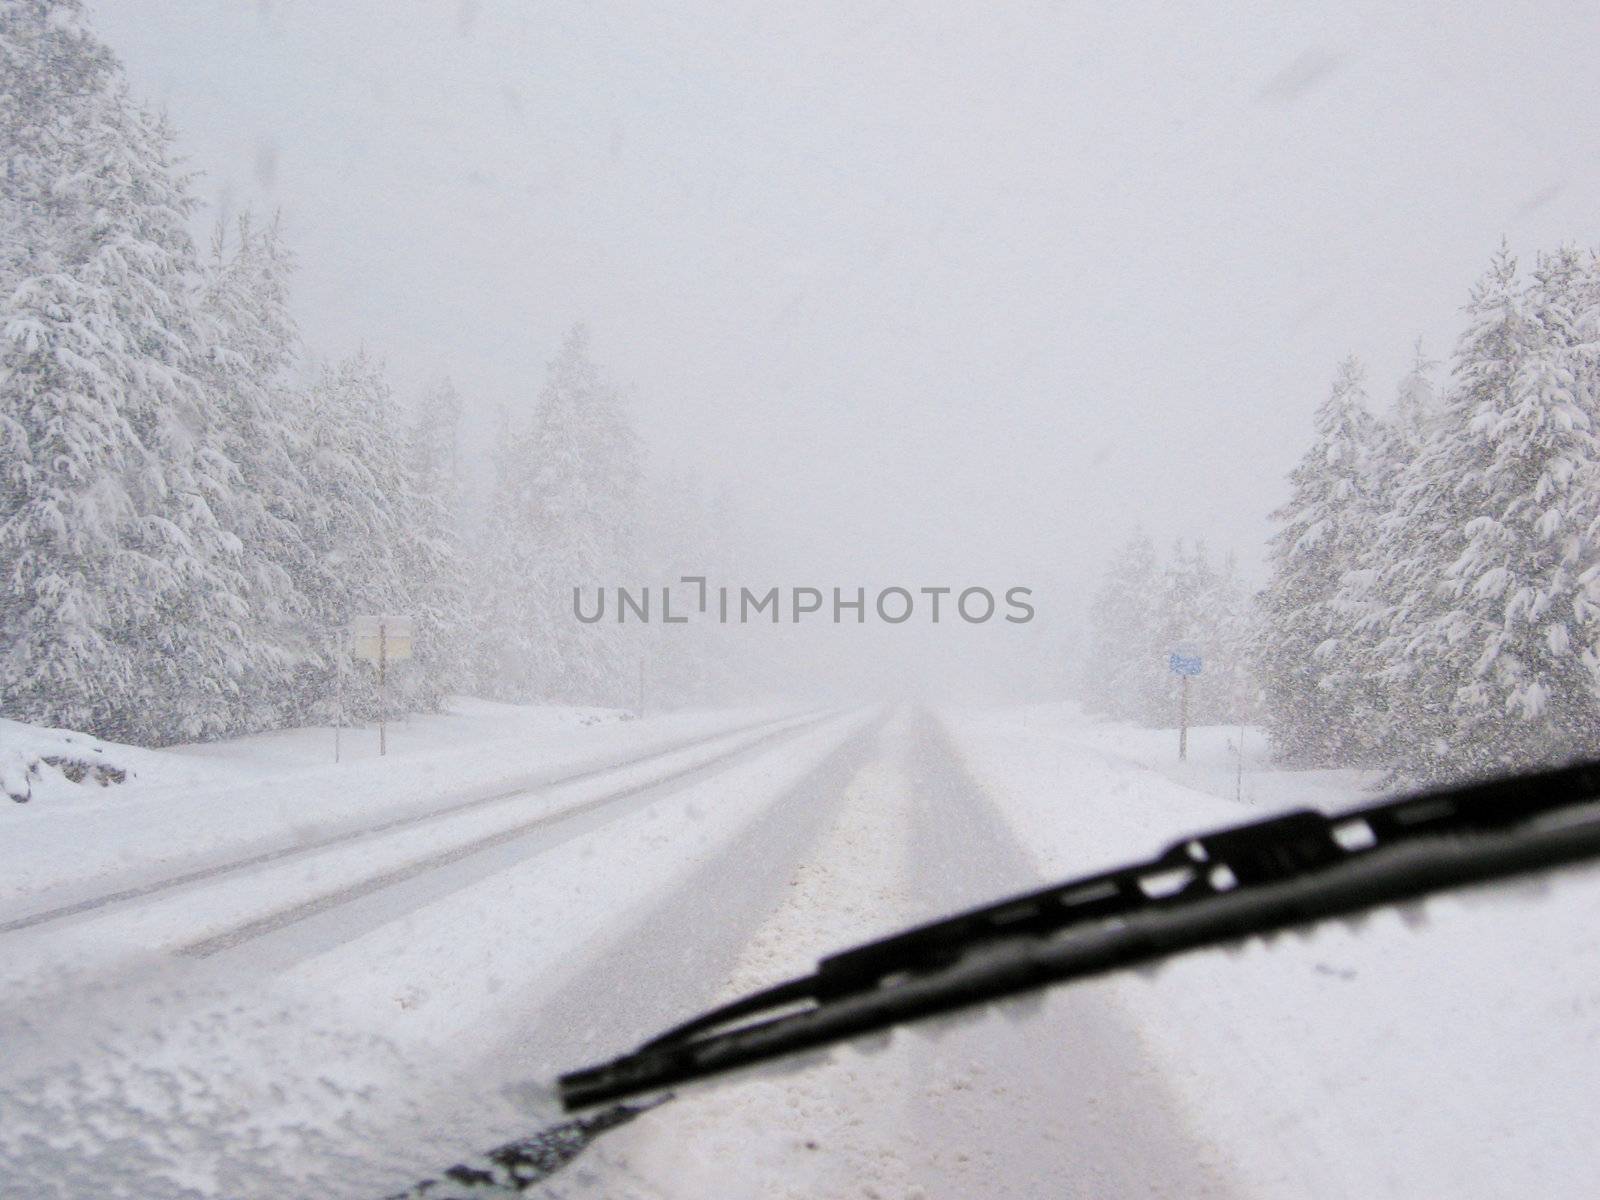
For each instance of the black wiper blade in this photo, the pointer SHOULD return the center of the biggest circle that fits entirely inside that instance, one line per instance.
(1231, 883)
(517, 1166)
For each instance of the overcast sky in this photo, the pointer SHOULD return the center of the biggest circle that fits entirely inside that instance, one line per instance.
(950, 291)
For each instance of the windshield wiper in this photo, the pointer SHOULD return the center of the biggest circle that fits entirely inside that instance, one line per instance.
(517, 1166)
(1246, 879)
(1232, 883)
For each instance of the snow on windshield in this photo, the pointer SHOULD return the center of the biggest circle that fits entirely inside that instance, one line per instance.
(520, 524)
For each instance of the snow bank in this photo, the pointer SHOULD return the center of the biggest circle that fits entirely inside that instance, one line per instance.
(1214, 761)
(52, 764)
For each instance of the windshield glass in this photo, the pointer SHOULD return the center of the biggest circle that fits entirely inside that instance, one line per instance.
(521, 523)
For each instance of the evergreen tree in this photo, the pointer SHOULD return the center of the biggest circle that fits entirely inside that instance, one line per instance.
(120, 604)
(1416, 405)
(568, 495)
(1143, 611)
(505, 648)
(1226, 690)
(432, 567)
(1490, 618)
(251, 342)
(1185, 581)
(353, 463)
(1353, 658)
(1301, 655)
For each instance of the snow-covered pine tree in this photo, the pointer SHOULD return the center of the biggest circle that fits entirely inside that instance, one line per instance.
(1204, 606)
(251, 342)
(1185, 581)
(120, 603)
(1353, 658)
(1300, 656)
(1228, 688)
(432, 566)
(353, 464)
(582, 498)
(504, 643)
(1492, 619)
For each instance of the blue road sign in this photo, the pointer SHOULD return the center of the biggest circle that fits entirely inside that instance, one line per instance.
(1183, 664)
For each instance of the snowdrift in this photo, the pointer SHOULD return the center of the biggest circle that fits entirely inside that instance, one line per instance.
(46, 763)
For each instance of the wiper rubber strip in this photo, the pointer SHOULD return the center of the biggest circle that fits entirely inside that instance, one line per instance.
(1243, 880)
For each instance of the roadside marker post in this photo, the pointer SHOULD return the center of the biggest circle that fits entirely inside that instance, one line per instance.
(338, 692)
(1184, 661)
(382, 639)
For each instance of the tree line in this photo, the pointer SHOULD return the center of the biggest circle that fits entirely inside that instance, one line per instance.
(191, 512)
(1432, 605)
(1435, 574)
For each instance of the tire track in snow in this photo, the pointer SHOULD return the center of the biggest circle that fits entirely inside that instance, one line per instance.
(828, 1124)
(328, 1077)
(549, 824)
(303, 848)
(1066, 1101)
(676, 959)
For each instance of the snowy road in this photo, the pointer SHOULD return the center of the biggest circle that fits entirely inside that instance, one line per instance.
(1064, 1102)
(338, 1017)
(438, 809)
(328, 890)
(239, 1011)
(342, 1013)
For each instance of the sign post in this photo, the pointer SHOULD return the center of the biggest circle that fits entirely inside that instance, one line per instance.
(1184, 661)
(338, 692)
(381, 639)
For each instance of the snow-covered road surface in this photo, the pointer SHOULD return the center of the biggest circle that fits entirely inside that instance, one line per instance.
(192, 808)
(541, 787)
(1063, 1101)
(129, 1068)
(392, 990)
(204, 910)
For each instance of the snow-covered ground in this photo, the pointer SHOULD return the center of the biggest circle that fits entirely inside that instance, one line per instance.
(1213, 763)
(190, 805)
(239, 975)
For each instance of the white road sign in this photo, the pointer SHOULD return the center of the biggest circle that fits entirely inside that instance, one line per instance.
(375, 635)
